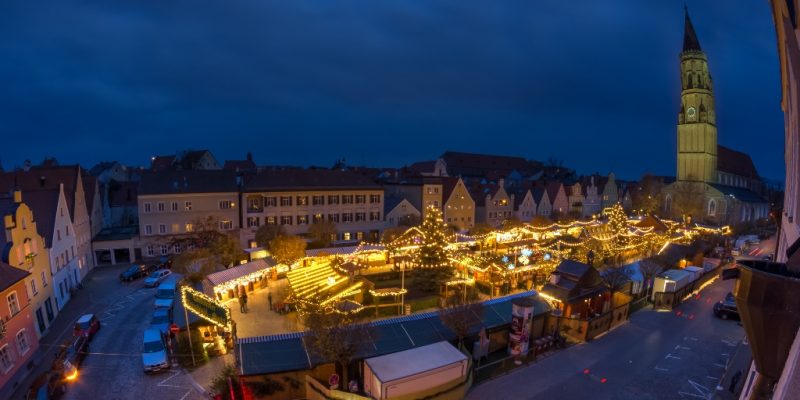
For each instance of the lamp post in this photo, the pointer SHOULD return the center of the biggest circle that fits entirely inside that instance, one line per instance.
(402, 286)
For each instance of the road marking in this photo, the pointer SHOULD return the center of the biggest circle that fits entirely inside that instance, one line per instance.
(720, 365)
(661, 369)
(164, 382)
(694, 339)
(186, 395)
(671, 356)
(679, 347)
(702, 391)
(729, 343)
(711, 377)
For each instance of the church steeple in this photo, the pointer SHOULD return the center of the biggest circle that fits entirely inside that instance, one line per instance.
(690, 42)
(697, 131)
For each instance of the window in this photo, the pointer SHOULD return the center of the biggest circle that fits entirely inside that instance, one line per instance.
(333, 199)
(187, 206)
(164, 249)
(318, 200)
(151, 251)
(253, 222)
(177, 249)
(318, 218)
(302, 219)
(286, 201)
(58, 234)
(162, 228)
(270, 201)
(347, 199)
(347, 217)
(13, 303)
(174, 206)
(33, 287)
(375, 216)
(374, 198)
(22, 342)
(302, 200)
(360, 216)
(712, 207)
(44, 279)
(66, 230)
(271, 220)
(286, 219)
(226, 225)
(225, 204)
(346, 236)
(147, 207)
(6, 362)
(253, 203)
(161, 206)
(189, 227)
(361, 199)
(359, 235)
(333, 218)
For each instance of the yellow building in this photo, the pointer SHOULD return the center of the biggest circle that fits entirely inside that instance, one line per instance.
(25, 249)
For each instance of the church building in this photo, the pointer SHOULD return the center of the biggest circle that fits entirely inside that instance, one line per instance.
(715, 184)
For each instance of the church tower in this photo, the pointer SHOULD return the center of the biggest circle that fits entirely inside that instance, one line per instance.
(697, 127)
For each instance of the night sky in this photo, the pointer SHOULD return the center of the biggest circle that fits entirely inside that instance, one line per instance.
(381, 83)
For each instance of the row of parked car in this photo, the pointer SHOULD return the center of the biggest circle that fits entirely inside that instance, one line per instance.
(154, 349)
(146, 271)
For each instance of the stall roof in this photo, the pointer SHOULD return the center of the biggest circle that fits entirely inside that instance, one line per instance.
(425, 358)
(218, 278)
(390, 335)
(341, 250)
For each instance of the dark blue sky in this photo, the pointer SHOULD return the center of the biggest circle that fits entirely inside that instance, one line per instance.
(385, 83)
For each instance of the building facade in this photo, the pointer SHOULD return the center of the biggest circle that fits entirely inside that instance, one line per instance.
(493, 204)
(27, 251)
(459, 207)
(174, 203)
(295, 198)
(19, 342)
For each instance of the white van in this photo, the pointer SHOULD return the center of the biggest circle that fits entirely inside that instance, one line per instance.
(165, 294)
(154, 353)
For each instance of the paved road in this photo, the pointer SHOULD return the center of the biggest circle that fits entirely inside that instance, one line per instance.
(113, 369)
(657, 355)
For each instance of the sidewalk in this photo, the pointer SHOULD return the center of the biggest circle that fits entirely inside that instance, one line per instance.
(739, 362)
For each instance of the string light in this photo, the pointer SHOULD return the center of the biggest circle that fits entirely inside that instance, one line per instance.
(202, 297)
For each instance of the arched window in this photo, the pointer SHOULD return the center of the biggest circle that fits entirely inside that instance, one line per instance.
(712, 207)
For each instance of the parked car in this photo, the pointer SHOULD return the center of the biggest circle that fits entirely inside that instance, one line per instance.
(47, 386)
(726, 308)
(87, 325)
(156, 277)
(165, 263)
(161, 321)
(70, 357)
(154, 353)
(135, 271)
(165, 294)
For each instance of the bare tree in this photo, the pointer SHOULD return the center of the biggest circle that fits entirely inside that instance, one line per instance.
(615, 278)
(687, 200)
(335, 336)
(461, 318)
(649, 269)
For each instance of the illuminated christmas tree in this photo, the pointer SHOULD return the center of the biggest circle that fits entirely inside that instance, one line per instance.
(433, 248)
(618, 223)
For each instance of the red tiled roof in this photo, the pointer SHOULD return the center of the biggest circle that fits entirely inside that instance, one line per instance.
(298, 179)
(44, 178)
(735, 162)
(44, 206)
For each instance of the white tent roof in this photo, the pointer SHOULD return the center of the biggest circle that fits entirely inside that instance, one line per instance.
(398, 365)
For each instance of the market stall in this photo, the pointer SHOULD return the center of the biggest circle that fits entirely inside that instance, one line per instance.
(227, 284)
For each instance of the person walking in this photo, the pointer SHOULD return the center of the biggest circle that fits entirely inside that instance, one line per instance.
(244, 300)
(269, 299)
(241, 304)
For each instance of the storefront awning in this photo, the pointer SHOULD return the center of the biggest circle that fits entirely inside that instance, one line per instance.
(239, 271)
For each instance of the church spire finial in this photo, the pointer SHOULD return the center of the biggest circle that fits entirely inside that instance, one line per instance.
(690, 42)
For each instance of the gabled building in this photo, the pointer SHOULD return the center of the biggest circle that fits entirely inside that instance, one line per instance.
(186, 160)
(493, 204)
(459, 207)
(610, 193)
(94, 204)
(18, 343)
(295, 198)
(241, 166)
(575, 199)
(542, 200)
(558, 198)
(421, 192)
(399, 211)
(24, 248)
(592, 203)
(436, 167)
(524, 204)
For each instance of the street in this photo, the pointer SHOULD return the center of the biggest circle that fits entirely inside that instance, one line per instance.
(657, 355)
(113, 368)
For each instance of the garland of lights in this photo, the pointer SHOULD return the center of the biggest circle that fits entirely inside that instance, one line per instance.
(202, 296)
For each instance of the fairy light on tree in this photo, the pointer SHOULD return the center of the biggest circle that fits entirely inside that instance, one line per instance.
(432, 252)
(617, 223)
